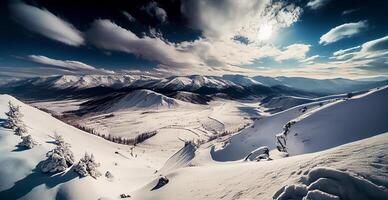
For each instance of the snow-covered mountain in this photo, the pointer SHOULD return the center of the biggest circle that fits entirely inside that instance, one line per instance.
(318, 126)
(326, 86)
(242, 80)
(81, 86)
(135, 100)
(351, 133)
(195, 82)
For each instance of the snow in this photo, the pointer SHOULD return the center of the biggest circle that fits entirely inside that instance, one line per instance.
(180, 159)
(362, 160)
(19, 177)
(346, 149)
(144, 99)
(320, 127)
(331, 184)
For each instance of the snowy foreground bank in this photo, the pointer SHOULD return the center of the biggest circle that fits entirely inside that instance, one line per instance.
(357, 169)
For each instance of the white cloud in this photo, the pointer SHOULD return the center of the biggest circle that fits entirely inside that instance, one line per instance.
(310, 59)
(343, 31)
(129, 16)
(107, 35)
(344, 51)
(315, 4)
(370, 58)
(246, 18)
(221, 18)
(47, 24)
(74, 66)
(380, 44)
(154, 10)
(294, 51)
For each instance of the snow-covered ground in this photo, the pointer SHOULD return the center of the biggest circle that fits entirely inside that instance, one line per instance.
(19, 177)
(322, 125)
(193, 122)
(337, 149)
(357, 171)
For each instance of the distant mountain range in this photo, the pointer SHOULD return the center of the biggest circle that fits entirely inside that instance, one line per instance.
(195, 88)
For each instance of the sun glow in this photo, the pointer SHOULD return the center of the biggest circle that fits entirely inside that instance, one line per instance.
(265, 32)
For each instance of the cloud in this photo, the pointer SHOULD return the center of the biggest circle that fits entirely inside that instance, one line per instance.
(73, 66)
(343, 31)
(346, 12)
(377, 48)
(154, 10)
(315, 4)
(219, 18)
(129, 16)
(345, 51)
(310, 59)
(370, 58)
(294, 51)
(107, 35)
(245, 18)
(380, 44)
(43, 22)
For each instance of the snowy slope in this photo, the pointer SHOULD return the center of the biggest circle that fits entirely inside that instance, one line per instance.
(277, 104)
(20, 179)
(356, 171)
(350, 120)
(180, 159)
(242, 80)
(319, 128)
(143, 99)
(194, 82)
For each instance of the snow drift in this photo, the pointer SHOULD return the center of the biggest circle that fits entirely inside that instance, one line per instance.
(180, 159)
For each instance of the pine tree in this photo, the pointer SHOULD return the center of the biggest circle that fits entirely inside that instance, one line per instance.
(87, 166)
(58, 159)
(20, 129)
(14, 116)
(28, 142)
(58, 139)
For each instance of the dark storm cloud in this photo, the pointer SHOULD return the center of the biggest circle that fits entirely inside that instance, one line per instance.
(154, 10)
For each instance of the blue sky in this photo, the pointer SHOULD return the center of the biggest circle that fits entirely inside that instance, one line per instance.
(311, 38)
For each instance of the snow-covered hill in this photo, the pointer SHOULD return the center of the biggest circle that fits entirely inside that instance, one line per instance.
(21, 179)
(359, 169)
(319, 126)
(355, 171)
(140, 99)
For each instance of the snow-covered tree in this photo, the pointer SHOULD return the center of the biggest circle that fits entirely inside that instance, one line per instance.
(58, 159)
(28, 142)
(20, 129)
(87, 166)
(14, 116)
(58, 139)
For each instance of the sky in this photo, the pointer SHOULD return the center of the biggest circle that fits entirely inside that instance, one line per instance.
(306, 38)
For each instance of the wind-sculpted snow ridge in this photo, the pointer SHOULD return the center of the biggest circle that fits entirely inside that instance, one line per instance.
(180, 159)
(323, 183)
(315, 127)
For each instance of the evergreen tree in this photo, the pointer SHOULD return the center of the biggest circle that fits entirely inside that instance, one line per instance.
(58, 159)
(87, 166)
(28, 142)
